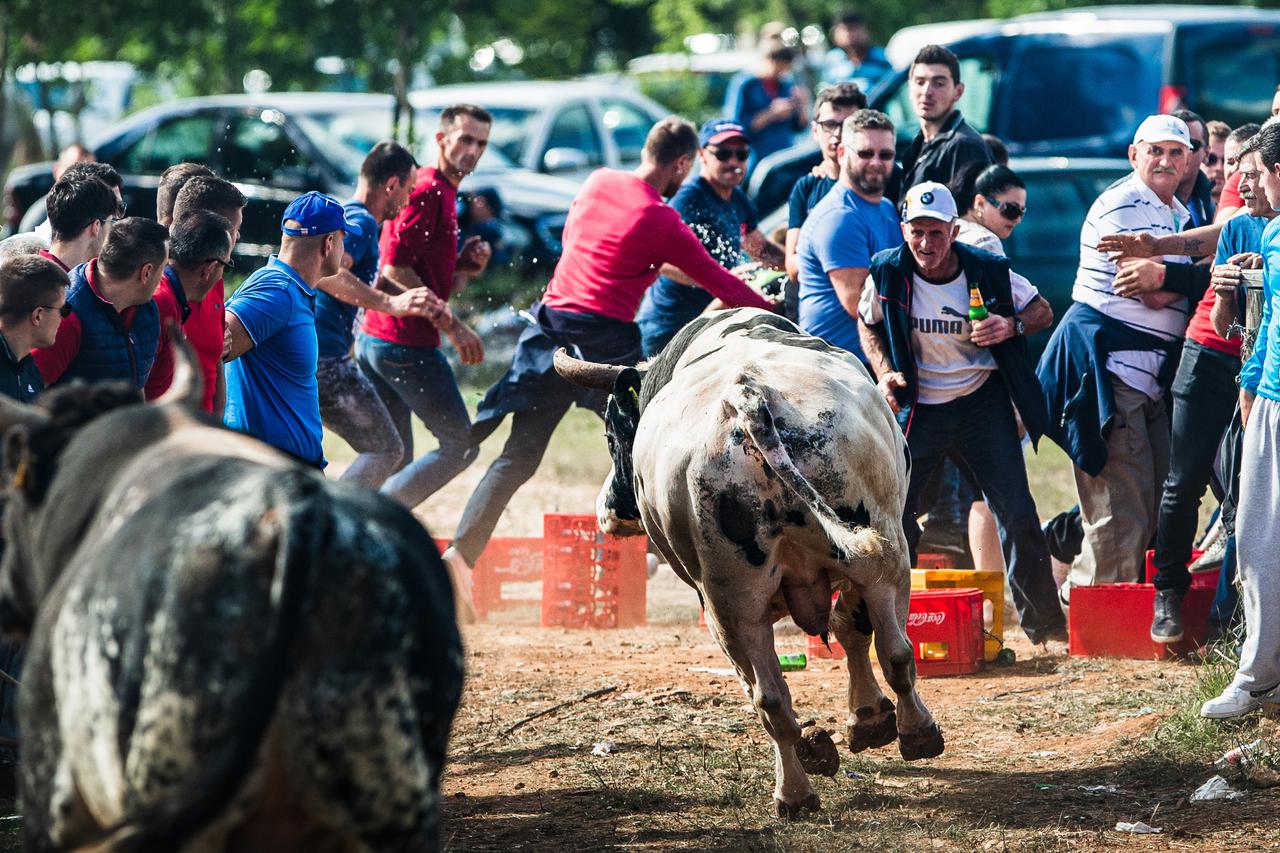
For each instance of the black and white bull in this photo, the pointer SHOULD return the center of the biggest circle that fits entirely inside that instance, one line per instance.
(226, 650)
(767, 469)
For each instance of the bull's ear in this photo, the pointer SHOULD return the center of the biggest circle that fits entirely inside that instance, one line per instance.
(626, 390)
(19, 461)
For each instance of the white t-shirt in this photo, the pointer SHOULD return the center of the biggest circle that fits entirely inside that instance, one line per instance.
(1130, 207)
(976, 234)
(948, 364)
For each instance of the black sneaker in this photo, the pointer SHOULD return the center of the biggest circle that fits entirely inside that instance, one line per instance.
(1166, 627)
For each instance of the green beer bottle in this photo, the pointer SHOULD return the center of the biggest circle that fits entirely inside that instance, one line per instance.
(791, 663)
(977, 311)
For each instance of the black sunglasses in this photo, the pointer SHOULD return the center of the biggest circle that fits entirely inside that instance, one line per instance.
(831, 126)
(64, 310)
(884, 156)
(226, 265)
(1196, 145)
(1010, 210)
(726, 154)
(1212, 159)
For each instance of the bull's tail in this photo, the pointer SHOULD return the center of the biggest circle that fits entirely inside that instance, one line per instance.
(748, 404)
(304, 533)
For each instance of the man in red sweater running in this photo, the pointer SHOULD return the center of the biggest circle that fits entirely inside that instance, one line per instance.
(618, 235)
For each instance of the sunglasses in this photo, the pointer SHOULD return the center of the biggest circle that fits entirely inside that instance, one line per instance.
(64, 310)
(226, 265)
(1010, 210)
(1212, 159)
(1196, 145)
(726, 154)
(830, 127)
(885, 155)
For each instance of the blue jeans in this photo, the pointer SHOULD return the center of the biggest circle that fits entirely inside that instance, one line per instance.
(418, 381)
(979, 431)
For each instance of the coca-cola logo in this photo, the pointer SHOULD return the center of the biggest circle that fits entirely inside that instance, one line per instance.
(935, 617)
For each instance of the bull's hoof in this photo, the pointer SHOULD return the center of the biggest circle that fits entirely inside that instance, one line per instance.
(818, 753)
(791, 811)
(869, 734)
(926, 743)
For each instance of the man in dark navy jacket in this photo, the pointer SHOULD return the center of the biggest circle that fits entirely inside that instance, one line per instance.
(33, 298)
(114, 326)
(954, 381)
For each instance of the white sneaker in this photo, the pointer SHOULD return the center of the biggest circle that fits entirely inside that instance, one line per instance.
(1234, 702)
(460, 574)
(1214, 545)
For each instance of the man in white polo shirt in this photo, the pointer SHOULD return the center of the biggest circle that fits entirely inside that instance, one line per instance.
(1110, 361)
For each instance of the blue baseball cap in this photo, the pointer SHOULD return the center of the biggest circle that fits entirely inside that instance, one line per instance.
(316, 213)
(719, 130)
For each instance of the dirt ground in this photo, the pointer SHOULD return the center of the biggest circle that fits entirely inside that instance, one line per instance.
(1045, 755)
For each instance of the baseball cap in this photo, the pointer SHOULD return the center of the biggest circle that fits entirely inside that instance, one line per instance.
(1163, 128)
(316, 213)
(929, 200)
(719, 130)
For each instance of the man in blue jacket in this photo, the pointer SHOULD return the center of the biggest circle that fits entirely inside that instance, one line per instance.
(954, 381)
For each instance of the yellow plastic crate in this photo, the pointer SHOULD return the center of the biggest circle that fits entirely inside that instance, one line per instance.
(992, 585)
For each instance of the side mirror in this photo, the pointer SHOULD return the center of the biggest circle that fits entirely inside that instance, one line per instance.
(565, 160)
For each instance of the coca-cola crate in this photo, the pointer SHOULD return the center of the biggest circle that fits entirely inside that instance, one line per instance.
(1114, 621)
(508, 575)
(1202, 580)
(590, 580)
(945, 630)
(991, 583)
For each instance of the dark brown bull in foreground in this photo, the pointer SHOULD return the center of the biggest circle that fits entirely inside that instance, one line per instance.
(768, 471)
(226, 650)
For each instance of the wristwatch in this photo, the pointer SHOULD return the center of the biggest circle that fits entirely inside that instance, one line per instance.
(1019, 327)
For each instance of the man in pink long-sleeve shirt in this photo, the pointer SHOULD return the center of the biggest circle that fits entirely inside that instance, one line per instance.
(618, 236)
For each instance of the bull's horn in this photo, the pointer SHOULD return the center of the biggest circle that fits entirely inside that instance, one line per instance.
(588, 374)
(187, 387)
(13, 413)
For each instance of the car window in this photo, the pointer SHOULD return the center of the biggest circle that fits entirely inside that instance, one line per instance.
(628, 126)
(182, 139)
(1055, 210)
(1069, 92)
(259, 150)
(574, 129)
(510, 131)
(979, 74)
(1236, 78)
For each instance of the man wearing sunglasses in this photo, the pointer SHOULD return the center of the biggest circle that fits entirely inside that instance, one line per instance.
(714, 206)
(1195, 190)
(845, 230)
(33, 301)
(199, 255)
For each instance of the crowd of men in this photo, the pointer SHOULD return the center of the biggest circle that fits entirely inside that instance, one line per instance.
(898, 261)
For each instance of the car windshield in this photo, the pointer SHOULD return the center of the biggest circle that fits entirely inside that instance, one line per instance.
(359, 130)
(511, 129)
(345, 151)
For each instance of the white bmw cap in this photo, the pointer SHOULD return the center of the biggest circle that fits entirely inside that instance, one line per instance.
(1163, 128)
(929, 200)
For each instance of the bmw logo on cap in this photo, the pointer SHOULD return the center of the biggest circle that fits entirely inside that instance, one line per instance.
(926, 197)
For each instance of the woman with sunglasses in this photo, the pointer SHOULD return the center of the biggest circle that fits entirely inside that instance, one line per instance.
(992, 201)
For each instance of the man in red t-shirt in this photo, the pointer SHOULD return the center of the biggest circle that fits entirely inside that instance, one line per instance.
(618, 236)
(199, 251)
(199, 310)
(401, 355)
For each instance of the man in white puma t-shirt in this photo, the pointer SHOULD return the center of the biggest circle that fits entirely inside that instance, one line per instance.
(954, 382)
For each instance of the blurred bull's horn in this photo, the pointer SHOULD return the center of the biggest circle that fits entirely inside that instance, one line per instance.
(13, 413)
(187, 387)
(588, 374)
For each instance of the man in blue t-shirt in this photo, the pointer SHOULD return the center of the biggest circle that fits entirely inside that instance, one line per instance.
(854, 58)
(844, 231)
(768, 104)
(349, 404)
(271, 332)
(719, 212)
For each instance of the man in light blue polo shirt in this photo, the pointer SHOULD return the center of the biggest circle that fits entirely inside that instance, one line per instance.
(844, 230)
(271, 332)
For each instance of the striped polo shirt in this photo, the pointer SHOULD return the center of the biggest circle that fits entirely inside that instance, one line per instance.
(1129, 207)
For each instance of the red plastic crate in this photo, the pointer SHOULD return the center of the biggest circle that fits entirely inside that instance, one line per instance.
(590, 580)
(1114, 620)
(1206, 580)
(506, 562)
(945, 630)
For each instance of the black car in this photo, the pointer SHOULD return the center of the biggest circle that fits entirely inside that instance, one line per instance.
(276, 146)
(1076, 83)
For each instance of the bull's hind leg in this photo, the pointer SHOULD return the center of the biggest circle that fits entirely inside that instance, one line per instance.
(887, 604)
(749, 645)
(871, 722)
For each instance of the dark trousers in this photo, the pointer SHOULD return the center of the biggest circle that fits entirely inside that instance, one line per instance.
(979, 431)
(1204, 394)
(531, 432)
